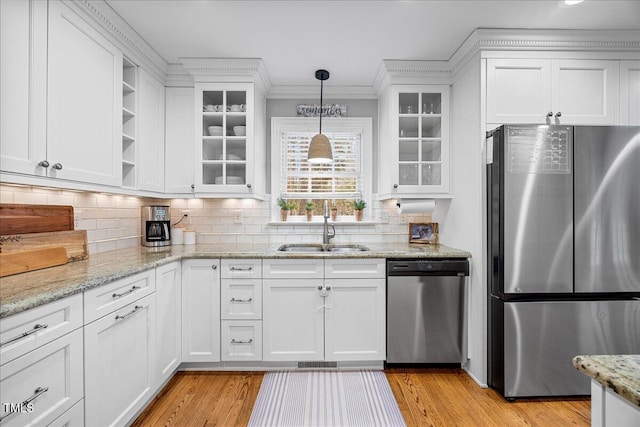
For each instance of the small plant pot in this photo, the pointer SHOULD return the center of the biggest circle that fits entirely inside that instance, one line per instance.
(358, 214)
(309, 215)
(334, 214)
(283, 215)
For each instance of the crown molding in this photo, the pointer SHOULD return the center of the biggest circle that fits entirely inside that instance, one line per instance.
(232, 69)
(483, 39)
(393, 71)
(120, 33)
(625, 42)
(313, 92)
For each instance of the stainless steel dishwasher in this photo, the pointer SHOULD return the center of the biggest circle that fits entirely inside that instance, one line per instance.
(425, 310)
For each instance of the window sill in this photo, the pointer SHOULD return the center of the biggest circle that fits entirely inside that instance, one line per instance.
(302, 221)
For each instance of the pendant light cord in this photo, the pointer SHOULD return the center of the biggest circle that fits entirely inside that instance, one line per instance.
(321, 86)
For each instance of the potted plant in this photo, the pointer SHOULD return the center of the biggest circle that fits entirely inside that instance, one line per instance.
(309, 209)
(359, 206)
(285, 207)
(334, 212)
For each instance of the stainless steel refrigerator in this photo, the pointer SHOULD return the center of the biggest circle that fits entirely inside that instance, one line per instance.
(564, 253)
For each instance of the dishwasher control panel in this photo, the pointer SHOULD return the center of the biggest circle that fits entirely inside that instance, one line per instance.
(428, 267)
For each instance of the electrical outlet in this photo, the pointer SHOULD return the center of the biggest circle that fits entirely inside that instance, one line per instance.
(77, 217)
(383, 217)
(237, 217)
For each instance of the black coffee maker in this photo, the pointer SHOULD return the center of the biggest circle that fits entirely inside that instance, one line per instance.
(156, 226)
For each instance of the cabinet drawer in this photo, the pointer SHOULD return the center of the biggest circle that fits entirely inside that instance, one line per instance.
(292, 268)
(356, 268)
(241, 299)
(245, 268)
(241, 340)
(74, 417)
(49, 379)
(26, 331)
(113, 296)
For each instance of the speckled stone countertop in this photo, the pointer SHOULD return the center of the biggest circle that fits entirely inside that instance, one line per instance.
(27, 290)
(620, 373)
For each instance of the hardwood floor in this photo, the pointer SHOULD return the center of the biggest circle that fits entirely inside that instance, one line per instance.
(426, 397)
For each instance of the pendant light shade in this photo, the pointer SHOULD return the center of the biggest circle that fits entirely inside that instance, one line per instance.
(320, 147)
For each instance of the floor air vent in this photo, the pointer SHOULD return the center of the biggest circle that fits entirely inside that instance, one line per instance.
(315, 365)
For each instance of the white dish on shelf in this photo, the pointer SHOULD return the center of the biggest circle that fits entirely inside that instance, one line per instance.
(240, 130)
(230, 157)
(231, 180)
(215, 130)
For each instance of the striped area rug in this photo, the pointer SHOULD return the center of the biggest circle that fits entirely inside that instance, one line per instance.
(325, 398)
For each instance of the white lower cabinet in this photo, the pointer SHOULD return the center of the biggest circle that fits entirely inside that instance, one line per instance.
(355, 320)
(241, 340)
(325, 317)
(119, 363)
(169, 320)
(74, 417)
(42, 384)
(293, 320)
(201, 310)
(33, 328)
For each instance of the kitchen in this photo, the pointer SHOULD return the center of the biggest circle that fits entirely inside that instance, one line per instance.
(108, 207)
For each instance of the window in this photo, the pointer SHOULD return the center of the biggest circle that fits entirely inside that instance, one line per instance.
(347, 178)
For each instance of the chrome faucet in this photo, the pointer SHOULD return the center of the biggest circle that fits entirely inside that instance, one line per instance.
(326, 236)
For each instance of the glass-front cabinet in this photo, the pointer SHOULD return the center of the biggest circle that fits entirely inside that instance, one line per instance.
(225, 138)
(415, 144)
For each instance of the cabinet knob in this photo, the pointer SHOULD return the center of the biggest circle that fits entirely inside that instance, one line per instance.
(214, 267)
(550, 114)
(559, 114)
(249, 186)
(44, 164)
(57, 166)
(395, 185)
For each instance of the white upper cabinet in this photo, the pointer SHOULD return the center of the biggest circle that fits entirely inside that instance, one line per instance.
(630, 92)
(84, 101)
(414, 148)
(179, 153)
(23, 79)
(225, 138)
(150, 120)
(230, 127)
(552, 91)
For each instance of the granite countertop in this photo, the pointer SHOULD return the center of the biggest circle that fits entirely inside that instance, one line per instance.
(27, 290)
(620, 373)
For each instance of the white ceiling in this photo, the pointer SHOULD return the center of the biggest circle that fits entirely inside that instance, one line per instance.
(348, 38)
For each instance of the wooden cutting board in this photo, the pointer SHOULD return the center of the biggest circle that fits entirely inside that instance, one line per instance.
(74, 242)
(21, 262)
(24, 219)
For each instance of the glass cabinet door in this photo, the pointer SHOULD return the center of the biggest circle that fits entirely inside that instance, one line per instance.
(420, 139)
(224, 137)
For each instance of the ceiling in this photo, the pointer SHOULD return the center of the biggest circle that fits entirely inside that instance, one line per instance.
(350, 38)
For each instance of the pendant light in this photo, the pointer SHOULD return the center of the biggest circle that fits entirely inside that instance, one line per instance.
(320, 147)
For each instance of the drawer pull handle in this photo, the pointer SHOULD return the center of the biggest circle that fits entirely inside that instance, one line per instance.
(241, 300)
(134, 311)
(133, 289)
(37, 392)
(241, 268)
(35, 329)
(214, 267)
(234, 341)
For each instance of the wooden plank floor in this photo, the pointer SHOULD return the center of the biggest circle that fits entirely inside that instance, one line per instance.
(426, 397)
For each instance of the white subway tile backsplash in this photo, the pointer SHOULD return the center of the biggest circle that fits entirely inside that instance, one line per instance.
(113, 221)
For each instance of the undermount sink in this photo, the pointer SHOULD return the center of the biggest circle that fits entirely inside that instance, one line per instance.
(319, 247)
